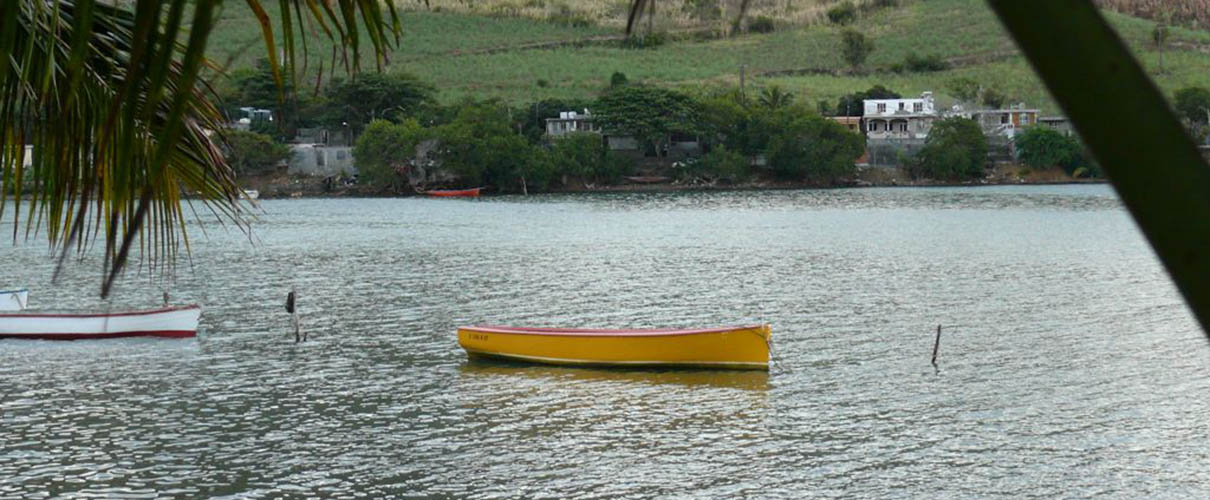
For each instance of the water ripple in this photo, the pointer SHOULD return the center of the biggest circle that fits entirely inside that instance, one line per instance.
(1069, 364)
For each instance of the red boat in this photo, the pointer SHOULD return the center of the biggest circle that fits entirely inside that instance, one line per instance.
(469, 193)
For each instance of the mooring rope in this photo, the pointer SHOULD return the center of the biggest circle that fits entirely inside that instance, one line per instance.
(774, 359)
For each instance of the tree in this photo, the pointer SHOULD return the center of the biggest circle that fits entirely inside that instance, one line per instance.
(722, 164)
(618, 79)
(724, 120)
(1193, 104)
(649, 114)
(119, 122)
(805, 146)
(357, 101)
(383, 152)
(481, 148)
(853, 104)
(1043, 147)
(955, 149)
(856, 47)
(964, 89)
(843, 13)
(250, 153)
(774, 98)
(993, 98)
(583, 155)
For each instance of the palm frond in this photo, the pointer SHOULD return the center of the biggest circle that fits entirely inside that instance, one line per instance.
(1155, 167)
(121, 122)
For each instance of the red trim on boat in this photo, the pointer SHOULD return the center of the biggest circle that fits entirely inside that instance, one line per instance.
(111, 335)
(602, 332)
(98, 315)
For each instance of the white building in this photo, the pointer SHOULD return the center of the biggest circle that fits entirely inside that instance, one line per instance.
(321, 160)
(569, 122)
(899, 118)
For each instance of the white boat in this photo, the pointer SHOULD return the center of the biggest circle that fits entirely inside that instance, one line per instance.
(251, 194)
(166, 322)
(14, 300)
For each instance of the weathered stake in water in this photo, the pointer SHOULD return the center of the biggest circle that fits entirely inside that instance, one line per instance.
(936, 346)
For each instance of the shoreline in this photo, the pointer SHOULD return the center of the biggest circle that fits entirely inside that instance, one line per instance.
(287, 187)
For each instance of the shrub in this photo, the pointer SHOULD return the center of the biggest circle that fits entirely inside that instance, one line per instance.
(915, 63)
(579, 154)
(964, 89)
(382, 152)
(761, 24)
(843, 13)
(1042, 147)
(648, 41)
(855, 47)
(1193, 104)
(250, 153)
(879, 4)
(804, 146)
(543, 83)
(956, 149)
(618, 79)
(993, 98)
(725, 165)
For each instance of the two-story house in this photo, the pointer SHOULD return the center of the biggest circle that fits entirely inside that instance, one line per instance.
(899, 118)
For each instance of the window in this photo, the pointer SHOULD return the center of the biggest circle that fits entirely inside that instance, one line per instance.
(882, 107)
(1024, 118)
(902, 106)
(1004, 119)
(902, 126)
(872, 126)
(918, 107)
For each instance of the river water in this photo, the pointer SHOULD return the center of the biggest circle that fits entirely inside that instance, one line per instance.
(1069, 366)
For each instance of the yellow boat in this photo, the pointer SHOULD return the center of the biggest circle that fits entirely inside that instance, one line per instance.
(734, 347)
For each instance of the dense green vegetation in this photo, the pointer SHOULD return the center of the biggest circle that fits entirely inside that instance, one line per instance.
(956, 149)
(1042, 147)
(490, 143)
(250, 153)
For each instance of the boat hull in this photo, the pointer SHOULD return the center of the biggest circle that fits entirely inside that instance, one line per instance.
(447, 193)
(176, 322)
(14, 300)
(741, 347)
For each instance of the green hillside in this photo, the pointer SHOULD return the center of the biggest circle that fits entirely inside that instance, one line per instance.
(522, 59)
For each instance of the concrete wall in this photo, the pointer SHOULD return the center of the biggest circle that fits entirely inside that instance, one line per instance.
(321, 161)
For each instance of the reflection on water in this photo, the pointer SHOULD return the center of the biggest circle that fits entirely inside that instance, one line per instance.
(476, 369)
(1069, 365)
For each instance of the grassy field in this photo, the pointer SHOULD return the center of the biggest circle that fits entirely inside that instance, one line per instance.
(520, 57)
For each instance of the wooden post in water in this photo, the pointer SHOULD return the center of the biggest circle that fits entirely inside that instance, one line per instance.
(936, 346)
(292, 308)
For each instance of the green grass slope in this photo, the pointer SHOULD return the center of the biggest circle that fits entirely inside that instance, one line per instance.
(522, 59)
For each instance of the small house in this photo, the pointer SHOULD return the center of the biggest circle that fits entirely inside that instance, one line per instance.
(569, 122)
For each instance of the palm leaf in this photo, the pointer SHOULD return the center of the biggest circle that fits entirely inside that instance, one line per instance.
(1126, 122)
(121, 121)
